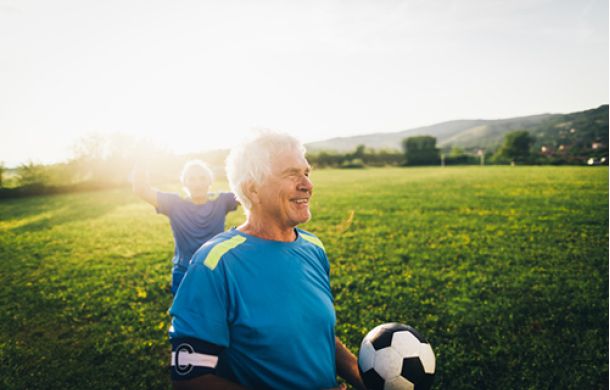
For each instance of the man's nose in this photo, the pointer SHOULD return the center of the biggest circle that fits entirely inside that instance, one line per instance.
(305, 184)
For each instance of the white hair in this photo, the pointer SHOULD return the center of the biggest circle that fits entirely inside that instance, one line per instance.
(196, 163)
(251, 161)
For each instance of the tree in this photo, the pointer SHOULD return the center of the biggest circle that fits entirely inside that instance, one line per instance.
(516, 146)
(31, 174)
(421, 150)
(456, 152)
(360, 152)
(2, 169)
(109, 158)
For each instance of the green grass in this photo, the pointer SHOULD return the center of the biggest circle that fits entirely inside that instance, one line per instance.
(505, 270)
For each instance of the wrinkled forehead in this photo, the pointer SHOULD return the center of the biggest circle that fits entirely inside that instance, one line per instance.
(289, 159)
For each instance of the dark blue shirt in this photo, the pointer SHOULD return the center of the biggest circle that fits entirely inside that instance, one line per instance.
(194, 224)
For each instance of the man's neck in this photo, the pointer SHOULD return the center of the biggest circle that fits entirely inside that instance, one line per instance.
(268, 231)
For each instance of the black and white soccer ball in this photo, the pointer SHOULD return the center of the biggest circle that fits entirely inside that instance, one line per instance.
(395, 356)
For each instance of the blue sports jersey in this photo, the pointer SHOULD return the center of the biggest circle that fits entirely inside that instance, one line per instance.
(268, 303)
(194, 224)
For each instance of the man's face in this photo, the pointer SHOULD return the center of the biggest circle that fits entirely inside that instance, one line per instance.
(196, 181)
(284, 194)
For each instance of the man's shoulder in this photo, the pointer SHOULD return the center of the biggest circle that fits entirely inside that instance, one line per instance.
(168, 202)
(315, 247)
(310, 238)
(216, 196)
(172, 198)
(173, 195)
(211, 253)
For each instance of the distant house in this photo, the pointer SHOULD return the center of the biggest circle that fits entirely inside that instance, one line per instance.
(597, 145)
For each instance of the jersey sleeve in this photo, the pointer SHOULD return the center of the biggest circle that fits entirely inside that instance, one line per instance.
(230, 201)
(201, 305)
(166, 202)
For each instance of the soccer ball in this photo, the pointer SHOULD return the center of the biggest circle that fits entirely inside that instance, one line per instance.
(395, 356)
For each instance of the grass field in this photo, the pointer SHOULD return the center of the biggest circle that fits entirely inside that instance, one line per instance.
(505, 270)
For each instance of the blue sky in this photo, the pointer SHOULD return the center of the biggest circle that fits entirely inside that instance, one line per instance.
(197, 75)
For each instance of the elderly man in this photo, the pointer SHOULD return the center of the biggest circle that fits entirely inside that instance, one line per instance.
(255, 309)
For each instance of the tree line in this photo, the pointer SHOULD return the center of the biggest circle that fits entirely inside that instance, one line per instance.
(518, 147)
(100, 162)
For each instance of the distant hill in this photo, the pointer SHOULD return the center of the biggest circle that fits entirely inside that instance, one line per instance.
(578, 128)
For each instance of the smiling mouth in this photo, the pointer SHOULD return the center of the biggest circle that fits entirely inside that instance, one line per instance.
(301, 201)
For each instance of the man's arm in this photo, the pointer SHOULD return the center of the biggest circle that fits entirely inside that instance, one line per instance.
(347, 368)
(207, 382)
(347, 365)
(141, 187)
(194, 364)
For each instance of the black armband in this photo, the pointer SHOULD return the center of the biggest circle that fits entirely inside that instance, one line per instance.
(192, 358)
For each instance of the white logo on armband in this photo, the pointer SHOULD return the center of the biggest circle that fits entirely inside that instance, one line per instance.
(185, 358)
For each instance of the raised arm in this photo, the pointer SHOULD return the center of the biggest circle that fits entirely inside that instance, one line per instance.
(141, 187)
(347, 365)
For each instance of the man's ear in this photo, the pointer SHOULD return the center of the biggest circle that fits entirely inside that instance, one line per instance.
(251, 191)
